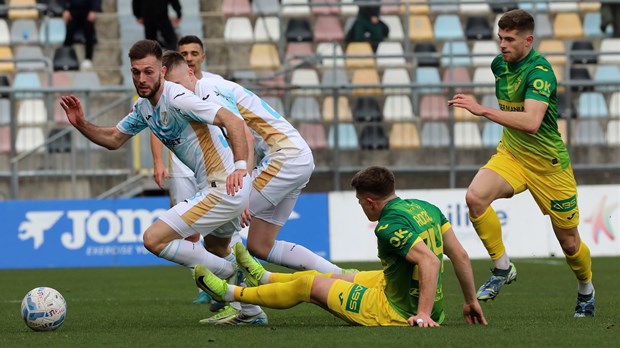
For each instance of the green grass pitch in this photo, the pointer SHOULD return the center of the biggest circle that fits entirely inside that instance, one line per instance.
(152, 307)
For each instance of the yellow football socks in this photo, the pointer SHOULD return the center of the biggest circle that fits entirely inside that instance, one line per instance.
(287, 277)
(581, 263)
(489, 230)
(277, 295)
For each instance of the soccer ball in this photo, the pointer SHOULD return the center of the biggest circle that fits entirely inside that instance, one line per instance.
(44, 309)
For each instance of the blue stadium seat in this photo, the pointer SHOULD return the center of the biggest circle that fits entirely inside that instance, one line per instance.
(448, 27)
(491, 134)
(460, 50)
(435, 134)
(306, 109)
(27, 80)
(347, 137)
(427, 76)
(588, 133)
(57, 30)
(592, 105)
(607, 73)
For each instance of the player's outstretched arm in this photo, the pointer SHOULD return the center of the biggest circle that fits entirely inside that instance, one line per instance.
(108, 137)
(462, 267)
(429, 267)
(235, 128)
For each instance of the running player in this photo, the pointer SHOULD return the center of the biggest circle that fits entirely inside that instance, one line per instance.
(412, 237)
(531, 155)
(185, 124)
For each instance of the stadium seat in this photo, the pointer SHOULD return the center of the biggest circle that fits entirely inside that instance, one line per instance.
(305, 78)
(86, 80)
(264, 56)
(27, 80)
(577, 75)
(415, 7)
(461, 114)
(563, 6)
(190, 25)
(359, 49)
(566, 106)
(476, 7)
(567, 26)
(457, 74)
(24, 31)
(553, 50)
(22, 9)
(65, 58)
(29, 138)
(389, 9)
(59, 145)
(367, 109)
(57, 30)
(301, 10)
(238, 29)
(4, 82)
(367, 76)
(491, 134)
(537, 6)
(490, 100)
(5, 112)
(420, 28)
(592, 26)
(477, 28)
(489, 47)
(435, 134)
(347, 137)
(5, 34)
(467, 135)
(592, 105)
(334, 77)
(447, 28)
(266, 7)
(298, 30)
(428, 76)
(348, 9)
(610, 51)
(5, 140)
(314, 135)
(398, 108)
(582, 52)
(543, 28)
(267, 29)
(31, 112)
(30, 52)
(343, 109)
(6, 53)
(396, 28)
(613, 133)
(328, 50)
(484, 76)
(584, 6)
(607, 73)
(328, 28)
(296, 52)
(443, 6)
(426, 54)
(404, 136)
(588, 133)
(373, 137)
(396, 76)
(455, 53)
(235, 8)
(306, 109)
(325, 9)
(614, 105)
(392, 49)
(501, 6)
(434, 107)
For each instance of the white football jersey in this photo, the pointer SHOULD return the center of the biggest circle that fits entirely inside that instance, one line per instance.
(183, 123)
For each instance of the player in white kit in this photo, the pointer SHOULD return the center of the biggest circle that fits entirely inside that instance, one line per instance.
(184, 123)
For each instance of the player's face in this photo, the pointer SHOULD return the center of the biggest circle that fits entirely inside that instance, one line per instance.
(367, 207)
(193, 54)
(514, 45)
(147, 76)
(181, 75)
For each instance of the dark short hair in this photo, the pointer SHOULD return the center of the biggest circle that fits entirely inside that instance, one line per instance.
(172, 59)
(518, 20)
(375, 180)
(145, 48)
(190, 39)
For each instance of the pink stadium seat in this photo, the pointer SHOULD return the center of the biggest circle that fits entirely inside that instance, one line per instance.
(434, 107)
(327, 28)
(297, 49)
(5, 140)
(314, 135)
(236, 8)
(324, 10)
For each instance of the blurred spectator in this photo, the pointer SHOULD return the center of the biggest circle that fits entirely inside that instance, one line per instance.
(153, 14)
(79, 15)
(610, 15)
(367, 26)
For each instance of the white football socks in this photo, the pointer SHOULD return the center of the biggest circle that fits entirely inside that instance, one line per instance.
(190, 254)
(503, 262)
(298, 257)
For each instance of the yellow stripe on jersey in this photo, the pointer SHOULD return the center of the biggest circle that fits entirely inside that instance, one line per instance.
(200, 209)
(274, 167)
(445, 227)
(213, 162)
(505, 105)
(274, 137)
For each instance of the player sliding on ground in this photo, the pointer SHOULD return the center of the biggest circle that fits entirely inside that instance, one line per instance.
(412, 236)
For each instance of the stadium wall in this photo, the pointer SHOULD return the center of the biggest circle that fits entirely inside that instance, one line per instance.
(98, 233)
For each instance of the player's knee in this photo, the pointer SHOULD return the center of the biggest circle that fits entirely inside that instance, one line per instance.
(474, 203)
(151, 243)
(570, 246)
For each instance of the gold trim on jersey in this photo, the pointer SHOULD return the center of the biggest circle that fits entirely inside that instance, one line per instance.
(274, 167)
(214, 166)
(201, 209)
(275, 138)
